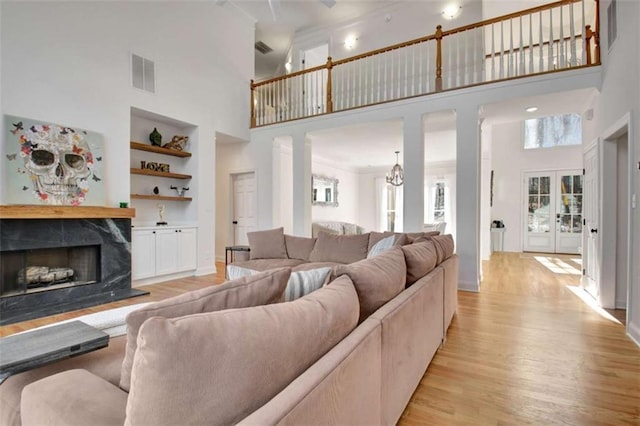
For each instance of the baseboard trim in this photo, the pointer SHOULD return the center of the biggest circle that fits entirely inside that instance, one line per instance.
(621, 304)
(633, 332)
(468, 286)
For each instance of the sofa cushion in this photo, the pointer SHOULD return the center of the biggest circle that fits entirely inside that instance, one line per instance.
(267, 244)
(299, 247)
(73, 397)
(420, 258)
(340, 248)
(444, 245)
(377, 280)
(260, 289)
(230, 363)
(413, 236)
(266, 264)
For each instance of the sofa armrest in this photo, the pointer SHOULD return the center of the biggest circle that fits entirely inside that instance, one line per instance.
(73, 397)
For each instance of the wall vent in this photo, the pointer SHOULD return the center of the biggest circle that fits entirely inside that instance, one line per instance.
(262, 47)
(143, 73)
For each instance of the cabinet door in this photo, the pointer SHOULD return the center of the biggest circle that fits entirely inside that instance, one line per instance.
(166, 251)
(187, 255)
(143, 254)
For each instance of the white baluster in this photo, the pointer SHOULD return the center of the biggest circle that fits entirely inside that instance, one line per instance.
(572, 41)
(584, 35)
(501, 50)
(541, 45)
(531, 44)
(493, 53)
(550, 65)
(511, 57)
(561, 63)
(522, 67)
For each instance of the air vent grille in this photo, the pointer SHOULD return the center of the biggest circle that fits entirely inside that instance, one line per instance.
(143, 73)
(262, 47)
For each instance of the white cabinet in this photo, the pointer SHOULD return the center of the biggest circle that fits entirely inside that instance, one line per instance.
(143, 254)
(162, 251)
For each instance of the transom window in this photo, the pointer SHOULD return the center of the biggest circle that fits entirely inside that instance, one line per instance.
(557, 130)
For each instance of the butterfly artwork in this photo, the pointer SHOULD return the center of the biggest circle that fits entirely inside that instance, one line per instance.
(98, 158)
(18, 127)
(38, 152)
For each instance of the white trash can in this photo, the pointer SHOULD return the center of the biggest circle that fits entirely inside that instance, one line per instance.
(497, 239)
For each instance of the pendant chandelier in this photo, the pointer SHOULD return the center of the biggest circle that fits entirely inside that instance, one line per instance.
(396, 177)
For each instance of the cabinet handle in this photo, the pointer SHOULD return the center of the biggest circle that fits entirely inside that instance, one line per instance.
(154, 232)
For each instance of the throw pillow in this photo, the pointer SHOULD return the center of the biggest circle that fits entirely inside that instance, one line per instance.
(302, 283)
(381, 246)
(299, 247)
(234, 272)
(340, 248)
(267, 244)
(219, 367)
(259, 289)
(377, 280)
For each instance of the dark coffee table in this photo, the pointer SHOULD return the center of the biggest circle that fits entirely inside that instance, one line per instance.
(25, 351)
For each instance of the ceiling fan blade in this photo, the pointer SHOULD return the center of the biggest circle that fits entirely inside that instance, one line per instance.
(274, 5)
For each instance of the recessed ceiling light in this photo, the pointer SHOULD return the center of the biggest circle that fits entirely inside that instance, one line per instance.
(531, 109)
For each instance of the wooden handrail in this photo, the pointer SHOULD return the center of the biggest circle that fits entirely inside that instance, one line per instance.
(385, 49)
(287, 76)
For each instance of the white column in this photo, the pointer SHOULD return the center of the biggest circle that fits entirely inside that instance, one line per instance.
(413, 187)
(468, 197)
(301, 185)
(262, 153)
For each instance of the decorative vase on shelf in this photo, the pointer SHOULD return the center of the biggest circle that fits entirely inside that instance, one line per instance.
(155, 137)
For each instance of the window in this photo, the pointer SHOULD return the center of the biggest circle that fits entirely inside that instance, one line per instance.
(438, 204)
(391, 208)
(557, 130)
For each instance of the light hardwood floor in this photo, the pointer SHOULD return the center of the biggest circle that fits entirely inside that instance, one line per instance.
(525, 350)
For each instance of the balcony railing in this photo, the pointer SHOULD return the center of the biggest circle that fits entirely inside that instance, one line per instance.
(549, 38)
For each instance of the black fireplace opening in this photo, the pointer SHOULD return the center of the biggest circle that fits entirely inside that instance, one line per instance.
(36, 270)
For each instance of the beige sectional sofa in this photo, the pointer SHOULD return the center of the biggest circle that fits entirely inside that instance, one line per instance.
(349, 353)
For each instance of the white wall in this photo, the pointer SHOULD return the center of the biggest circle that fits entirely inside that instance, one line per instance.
(619, 96)
(348, 190)
(231, 157)
(68, 62)
(509, 160)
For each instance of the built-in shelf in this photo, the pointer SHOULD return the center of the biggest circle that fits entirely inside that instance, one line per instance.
(64, 212)
(159, 174)
(159, 150)
(159, 197)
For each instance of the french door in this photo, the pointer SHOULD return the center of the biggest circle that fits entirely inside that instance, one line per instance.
(553, 211)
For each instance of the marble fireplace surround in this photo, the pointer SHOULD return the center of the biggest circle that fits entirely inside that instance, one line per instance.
(42, 227)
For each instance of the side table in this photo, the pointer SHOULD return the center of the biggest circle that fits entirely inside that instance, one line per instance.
(228, 255)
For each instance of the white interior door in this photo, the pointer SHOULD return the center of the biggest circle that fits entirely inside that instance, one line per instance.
(569, 211)
(539, 205)
(590, 253)
(244, 207)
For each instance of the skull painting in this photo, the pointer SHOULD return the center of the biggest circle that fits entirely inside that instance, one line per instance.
(59, 160)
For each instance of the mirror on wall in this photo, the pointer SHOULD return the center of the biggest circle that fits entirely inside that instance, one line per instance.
(324, 191)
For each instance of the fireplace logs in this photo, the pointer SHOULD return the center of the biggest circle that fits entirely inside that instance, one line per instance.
(40, 276)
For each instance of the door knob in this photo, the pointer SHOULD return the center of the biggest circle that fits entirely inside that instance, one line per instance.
(594, 231)
(235, 222)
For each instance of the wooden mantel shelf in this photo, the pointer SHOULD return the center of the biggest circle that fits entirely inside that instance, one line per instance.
(64, 212)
